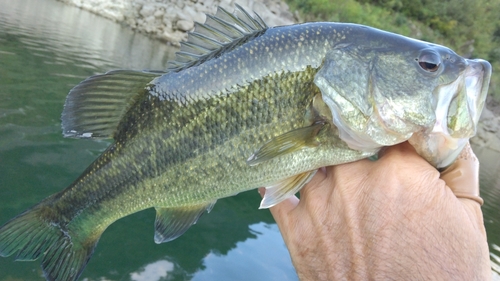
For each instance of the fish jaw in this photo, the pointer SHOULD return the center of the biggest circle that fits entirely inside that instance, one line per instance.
(477, 83)
(459, 106)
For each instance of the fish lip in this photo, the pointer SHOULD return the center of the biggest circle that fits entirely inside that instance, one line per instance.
(477, 74)
(476, 77)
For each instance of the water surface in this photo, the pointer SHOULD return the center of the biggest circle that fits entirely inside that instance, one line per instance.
(45, 49)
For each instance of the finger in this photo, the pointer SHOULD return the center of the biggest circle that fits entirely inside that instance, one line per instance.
(404, 148)
(463, 176)
(314, 183)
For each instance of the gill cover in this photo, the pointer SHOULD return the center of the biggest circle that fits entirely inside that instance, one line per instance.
(377, 97)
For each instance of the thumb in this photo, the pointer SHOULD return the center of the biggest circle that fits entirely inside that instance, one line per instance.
(462, 177)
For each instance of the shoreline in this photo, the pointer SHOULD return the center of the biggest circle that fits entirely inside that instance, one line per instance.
(170, 20)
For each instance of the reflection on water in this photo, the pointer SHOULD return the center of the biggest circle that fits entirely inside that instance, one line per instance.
(231, 265)
(216, 265)
(490, 191)
(68, 36)
(45, 49)
(155, 271)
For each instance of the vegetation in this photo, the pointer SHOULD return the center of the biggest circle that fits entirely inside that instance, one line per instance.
(471, 28)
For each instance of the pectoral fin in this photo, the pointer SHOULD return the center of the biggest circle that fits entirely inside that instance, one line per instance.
(284, 189)
(289, 142)
(173, 222)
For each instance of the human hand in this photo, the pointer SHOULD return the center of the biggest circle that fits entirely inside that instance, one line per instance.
(390, 219)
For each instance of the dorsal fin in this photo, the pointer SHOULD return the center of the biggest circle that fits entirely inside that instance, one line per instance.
(221, 32)
(94, 108)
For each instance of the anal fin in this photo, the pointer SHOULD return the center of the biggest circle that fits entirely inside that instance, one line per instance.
(173, 222)
(285, 189)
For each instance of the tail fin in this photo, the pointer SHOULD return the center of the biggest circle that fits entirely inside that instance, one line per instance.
(31, 235)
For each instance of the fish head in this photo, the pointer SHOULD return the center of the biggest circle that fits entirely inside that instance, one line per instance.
(383, 89)
(458, 108)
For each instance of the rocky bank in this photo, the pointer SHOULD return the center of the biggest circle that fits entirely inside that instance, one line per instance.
(170, 20)
(488, 130)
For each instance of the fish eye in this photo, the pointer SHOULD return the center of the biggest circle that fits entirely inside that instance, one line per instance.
(429, 62)
(432, 67)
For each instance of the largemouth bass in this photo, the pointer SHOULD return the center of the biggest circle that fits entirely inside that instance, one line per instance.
(243, 106)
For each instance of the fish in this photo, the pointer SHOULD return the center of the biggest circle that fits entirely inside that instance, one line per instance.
(244, 105)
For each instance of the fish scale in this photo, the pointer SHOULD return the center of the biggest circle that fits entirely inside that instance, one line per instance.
(244, 106)
(187, 144)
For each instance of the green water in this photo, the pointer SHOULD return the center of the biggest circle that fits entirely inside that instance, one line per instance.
(45, 49)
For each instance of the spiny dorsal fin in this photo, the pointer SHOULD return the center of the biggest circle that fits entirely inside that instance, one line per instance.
(94, 108)
(221, 32)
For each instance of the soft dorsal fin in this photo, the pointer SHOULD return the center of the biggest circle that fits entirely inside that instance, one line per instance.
(94, 108)
(221, 32)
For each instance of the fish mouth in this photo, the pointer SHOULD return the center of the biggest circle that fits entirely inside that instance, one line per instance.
(458, 109)
(477, 80)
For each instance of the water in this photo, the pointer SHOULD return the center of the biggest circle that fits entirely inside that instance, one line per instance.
(45, 49)
(490, 191)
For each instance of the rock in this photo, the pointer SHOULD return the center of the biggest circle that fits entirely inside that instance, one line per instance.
(174, 36)
(164, 18)
(185, 25)
(189, 11)
(207, 3)
(147, 10)
(181, 15)
(488, 131)
(159, 13)
(172, 12)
